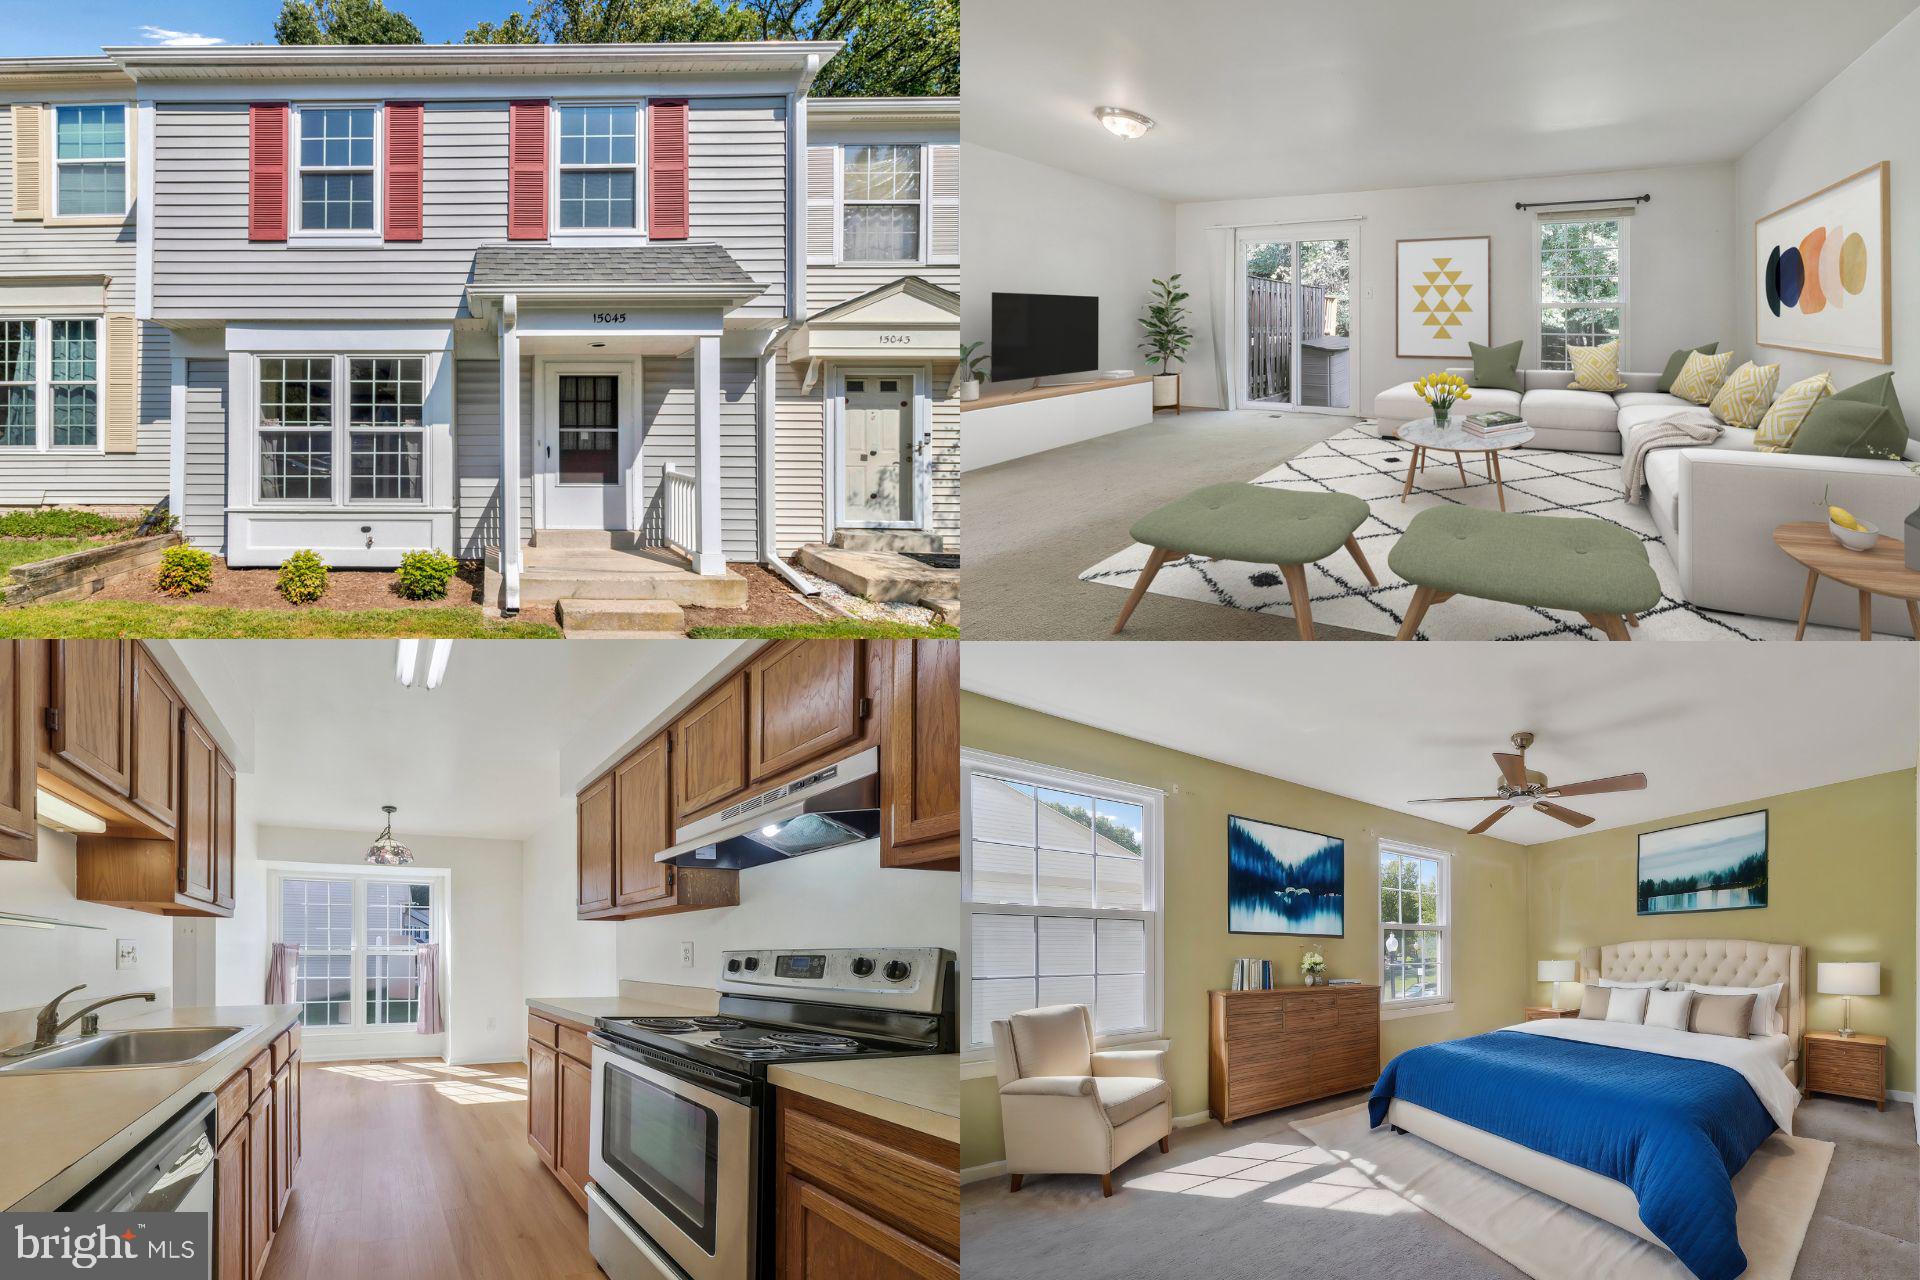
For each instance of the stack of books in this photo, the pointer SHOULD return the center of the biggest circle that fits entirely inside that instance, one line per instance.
(1491, 426)
(1253, 975)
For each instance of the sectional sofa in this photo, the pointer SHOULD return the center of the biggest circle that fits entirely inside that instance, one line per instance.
(1715, 505)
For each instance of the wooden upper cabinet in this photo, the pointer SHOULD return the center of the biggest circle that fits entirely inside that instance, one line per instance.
(805, 698)
(198, 755)
(594, 814)
(88, 701)
(920, 771)
(710, 748)
(643, 824)
(153, 776)
(19, 699)
(223, 831)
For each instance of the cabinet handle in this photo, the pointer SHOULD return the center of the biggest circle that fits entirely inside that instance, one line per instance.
(53, 719)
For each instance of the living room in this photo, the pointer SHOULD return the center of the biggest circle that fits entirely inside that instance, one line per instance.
(1323, 212)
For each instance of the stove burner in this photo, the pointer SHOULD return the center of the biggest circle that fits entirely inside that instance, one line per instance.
(671, 1026)
(771, 1043)
(812, 1040)
(716, 1022)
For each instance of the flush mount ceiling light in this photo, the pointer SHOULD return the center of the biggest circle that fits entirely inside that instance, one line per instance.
(385, 850)
(1123, 123)
(407, 662)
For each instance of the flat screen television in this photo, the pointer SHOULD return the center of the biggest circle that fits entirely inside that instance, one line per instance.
(1036, 335)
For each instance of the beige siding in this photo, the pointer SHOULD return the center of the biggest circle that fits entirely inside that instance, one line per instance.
(737, 181)
(800, 453)
(203, 513)
(830, 286)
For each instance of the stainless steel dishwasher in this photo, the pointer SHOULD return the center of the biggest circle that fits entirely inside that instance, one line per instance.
(171, 1172)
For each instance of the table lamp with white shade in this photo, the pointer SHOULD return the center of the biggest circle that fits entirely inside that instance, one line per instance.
(1847, 978)
(1556, 972)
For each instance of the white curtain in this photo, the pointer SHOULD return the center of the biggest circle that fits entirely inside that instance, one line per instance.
(1224, 267)
(426, 965)
(280, 970)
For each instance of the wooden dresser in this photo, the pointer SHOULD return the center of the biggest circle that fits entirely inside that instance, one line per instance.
(1269, 1049)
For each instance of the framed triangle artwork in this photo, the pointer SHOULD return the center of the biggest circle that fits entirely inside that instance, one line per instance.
(1442, 297)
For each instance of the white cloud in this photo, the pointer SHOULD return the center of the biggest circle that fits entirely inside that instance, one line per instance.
(160, 35)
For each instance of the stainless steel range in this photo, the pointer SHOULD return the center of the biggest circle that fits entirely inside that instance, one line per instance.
(682, 1145)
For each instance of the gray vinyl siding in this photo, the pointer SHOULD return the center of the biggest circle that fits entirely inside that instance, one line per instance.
(35, 249)
(800, 453)
(666, 425)
(476, 451)
(203, 511)
(737, 187)
(943, 486)
(830, 286)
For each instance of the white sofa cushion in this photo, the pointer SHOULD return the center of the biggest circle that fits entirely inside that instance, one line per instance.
(1124, 1097)
(1570, 411)
(1403, 404)
(1637, 399)
(1056, 1040)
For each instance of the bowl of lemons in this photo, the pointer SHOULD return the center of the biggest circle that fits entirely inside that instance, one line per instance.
(1850, 531)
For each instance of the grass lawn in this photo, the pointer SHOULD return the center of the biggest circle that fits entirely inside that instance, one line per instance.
(110, 619)
(15, 551)
(848, 630)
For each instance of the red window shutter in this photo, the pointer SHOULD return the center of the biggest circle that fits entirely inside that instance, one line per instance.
(527, 171)
(667, 200)
(267, 171)
(406, 126)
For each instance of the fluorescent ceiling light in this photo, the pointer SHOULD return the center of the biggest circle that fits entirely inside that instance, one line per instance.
(403, 668)
(437, 662)
(63, 815)
(1123, 123)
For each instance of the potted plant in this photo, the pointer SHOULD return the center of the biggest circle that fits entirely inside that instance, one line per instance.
(1312, 965)
(967, 385)
(1167, 340)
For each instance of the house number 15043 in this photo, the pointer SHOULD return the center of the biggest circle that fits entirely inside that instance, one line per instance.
(609, 317)
(896, 340)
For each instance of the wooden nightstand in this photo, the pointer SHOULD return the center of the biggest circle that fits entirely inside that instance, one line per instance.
(1535, 1011)
(1852, 1066)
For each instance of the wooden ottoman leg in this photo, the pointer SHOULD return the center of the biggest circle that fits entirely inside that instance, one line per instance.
(1297, 588)
(1353, 549)
(1806, 604)
(1633, 619)
(1866, 615)
(1159, 557)
(1422, 598)
(1617, 627)
(1913, 618)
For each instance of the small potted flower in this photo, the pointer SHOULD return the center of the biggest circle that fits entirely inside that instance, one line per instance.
(967, 385)
(1440, 391)
(1312, 965)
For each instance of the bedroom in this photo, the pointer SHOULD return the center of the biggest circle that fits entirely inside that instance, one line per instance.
(1598, 1005)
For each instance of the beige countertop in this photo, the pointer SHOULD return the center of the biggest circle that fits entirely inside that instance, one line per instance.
(61, 1130)
(584, 1009)
(916, 1093)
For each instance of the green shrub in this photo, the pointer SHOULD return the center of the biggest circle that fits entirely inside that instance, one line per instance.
(59, 522)
(423, 575)
(303, 578)
(184, 571)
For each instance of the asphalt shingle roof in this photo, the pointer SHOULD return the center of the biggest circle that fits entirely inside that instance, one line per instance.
(679, 263)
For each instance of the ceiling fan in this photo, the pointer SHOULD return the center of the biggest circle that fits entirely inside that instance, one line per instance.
(1523, 788)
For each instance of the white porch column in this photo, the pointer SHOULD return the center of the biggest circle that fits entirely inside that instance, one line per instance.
(709, 557)
(510, 453)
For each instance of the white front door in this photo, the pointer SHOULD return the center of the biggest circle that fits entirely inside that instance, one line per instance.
(584, 455)
(877, 442)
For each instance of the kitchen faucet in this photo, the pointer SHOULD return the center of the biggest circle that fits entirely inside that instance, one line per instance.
(47, 1024)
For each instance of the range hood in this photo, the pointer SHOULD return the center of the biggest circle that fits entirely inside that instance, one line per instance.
(830, 807)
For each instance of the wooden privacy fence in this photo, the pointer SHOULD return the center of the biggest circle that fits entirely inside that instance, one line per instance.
(1270, 333)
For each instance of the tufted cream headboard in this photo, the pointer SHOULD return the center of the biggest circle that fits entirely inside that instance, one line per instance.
(1716, 962)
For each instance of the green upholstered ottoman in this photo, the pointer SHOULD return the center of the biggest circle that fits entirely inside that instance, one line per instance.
(1577, 563)
(1256, 525)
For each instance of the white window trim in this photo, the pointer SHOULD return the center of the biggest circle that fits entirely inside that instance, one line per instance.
(840, 203)
(587, 236)
(1152, 802)
(1540, 304)
(340, 432)
(360, 878)
(300, 234)
(1444, 1002)
(52, 151)
(43, 389)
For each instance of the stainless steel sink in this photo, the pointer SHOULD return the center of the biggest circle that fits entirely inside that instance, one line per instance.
(113, 1050)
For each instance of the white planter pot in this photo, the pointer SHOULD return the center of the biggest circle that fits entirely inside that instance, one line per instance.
(970, 389)
(1166, 390)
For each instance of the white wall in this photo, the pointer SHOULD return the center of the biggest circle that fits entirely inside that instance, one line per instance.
(1868, 113)
(1680, 258)
(38, 964)
(565, 956)
(1031, 228)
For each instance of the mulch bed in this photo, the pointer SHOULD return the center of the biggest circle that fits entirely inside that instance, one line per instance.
(346, 589)
(770, 603)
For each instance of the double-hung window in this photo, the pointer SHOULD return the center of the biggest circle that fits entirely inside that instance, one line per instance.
(296, 428)
(1061, 885)
(74, 381)
(881, 203)
(336, 189)
(315, 408)
(1582, 279)
(19, 384)
(386, 441)
(50, 390)
(90, 161)
(1416, 937)
(599, 170)
(359, 939)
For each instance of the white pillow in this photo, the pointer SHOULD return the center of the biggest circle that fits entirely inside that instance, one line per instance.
(1668, 1009)
(1658, 984)
(1765, 1002)
(1627, 1004)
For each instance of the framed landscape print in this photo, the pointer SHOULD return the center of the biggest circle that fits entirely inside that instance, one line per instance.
(1284, 880)
(1823, 279)
(1442, 296)
(1706, 866)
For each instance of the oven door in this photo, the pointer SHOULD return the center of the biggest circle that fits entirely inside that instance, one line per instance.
(677, 1154)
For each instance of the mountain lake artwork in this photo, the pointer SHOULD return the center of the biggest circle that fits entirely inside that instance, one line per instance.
(1706, 866)
(1283, 880)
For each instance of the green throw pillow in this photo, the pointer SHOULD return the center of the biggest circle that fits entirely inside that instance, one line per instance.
(1678, 361)
(1837, 428)
(1496, 367)
(1877, 390)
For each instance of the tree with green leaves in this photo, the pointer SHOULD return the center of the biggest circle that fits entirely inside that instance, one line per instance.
(343, 22)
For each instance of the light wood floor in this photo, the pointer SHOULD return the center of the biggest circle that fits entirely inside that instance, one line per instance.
(419, 1170)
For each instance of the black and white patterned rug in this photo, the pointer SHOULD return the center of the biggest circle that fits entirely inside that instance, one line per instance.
(1538, 481)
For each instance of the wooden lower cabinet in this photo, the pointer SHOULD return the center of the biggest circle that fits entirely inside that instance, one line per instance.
(1270, 1049)
(574, 1126)
(543, 1098)
(258, 1124)
(230, 1204)
(260, 1215)
(560, 1099)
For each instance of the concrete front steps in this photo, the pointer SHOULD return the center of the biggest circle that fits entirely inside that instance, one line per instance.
(891, 540)
(881, 575)
(589, 564)
(621, 619)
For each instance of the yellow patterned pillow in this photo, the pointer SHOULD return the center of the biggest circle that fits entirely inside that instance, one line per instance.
(1743, 399)
(1789, 410)
(1701, 376)
(1596, 368)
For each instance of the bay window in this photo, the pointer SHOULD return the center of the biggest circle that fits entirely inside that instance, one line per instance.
(599, 170)
(336, 187)
(296, 428)
(881, 203)
(90, 161)
(315, 409)
(359, 938)
(386, 436)
(50, 383)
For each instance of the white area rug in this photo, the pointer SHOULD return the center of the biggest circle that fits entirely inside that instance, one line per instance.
(1538, 481)
(1551, 1240)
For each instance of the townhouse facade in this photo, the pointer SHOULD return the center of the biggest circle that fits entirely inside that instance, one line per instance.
(366, 300)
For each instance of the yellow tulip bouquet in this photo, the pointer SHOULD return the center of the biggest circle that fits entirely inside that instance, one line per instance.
(1440, 390)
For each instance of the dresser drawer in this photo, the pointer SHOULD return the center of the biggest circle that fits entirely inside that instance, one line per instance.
(1309, 1014)
(1356, 1008)
(1254, 1017)
(1345, 1066)
(1835, 1068)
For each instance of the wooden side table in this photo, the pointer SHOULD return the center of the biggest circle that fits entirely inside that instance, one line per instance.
(1882, 571)
(1852, 1066)
(1536, 1011)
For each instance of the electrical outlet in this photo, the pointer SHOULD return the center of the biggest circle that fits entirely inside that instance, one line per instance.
(127, 956)
(686, 955)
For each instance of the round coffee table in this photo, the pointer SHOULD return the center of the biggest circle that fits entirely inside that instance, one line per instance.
(1454, 438)
(1882, 571)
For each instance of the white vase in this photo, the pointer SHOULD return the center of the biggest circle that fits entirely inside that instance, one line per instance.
(1166, 390)
(970, 389)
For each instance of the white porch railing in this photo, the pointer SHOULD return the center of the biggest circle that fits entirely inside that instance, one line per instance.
(677, 500)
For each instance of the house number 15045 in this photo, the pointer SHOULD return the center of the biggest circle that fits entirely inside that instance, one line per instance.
(609, 317)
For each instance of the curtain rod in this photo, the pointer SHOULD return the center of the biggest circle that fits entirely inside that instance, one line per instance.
(1548, 204)
(1292, 222)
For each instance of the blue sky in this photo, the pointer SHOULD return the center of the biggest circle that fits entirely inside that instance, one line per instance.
(30, 28)
(1685, 851)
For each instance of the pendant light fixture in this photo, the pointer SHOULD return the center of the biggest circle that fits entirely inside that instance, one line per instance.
(385, 850)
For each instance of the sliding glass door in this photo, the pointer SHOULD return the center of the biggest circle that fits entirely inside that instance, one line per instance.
(1297, 317)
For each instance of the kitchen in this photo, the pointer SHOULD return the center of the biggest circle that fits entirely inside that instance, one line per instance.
(646, 970)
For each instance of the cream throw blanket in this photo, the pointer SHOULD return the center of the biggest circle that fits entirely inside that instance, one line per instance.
(1676, 430)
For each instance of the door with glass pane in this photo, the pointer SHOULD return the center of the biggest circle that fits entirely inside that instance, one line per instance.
(1297, 319)
(877, 445)
(585, 427)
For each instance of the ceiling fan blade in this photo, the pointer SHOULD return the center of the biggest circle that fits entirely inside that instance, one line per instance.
(1595, 786)
(1513, 768)
(1492, 818)
(1451, 799)
(1567, 816)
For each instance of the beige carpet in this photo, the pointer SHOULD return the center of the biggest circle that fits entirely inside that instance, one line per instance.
(1550, 1240)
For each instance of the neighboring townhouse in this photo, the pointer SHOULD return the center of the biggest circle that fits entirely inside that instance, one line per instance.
(387, 286)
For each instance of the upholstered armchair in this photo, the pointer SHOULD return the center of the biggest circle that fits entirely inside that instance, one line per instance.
(1067, 1109)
